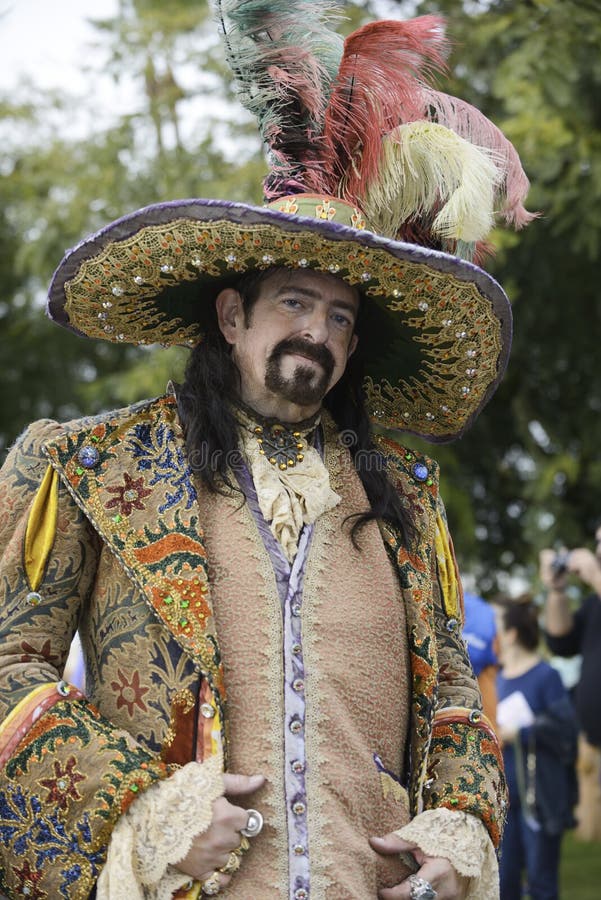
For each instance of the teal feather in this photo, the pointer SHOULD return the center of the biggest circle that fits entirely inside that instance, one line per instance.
(284, 57)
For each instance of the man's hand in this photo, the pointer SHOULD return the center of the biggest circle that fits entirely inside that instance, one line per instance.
(586, 566)
(210, 850)
(551, 580)
(447, 883)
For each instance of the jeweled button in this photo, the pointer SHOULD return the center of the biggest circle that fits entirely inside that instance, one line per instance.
(301, 894)
(297, 648)
(420, 471)
(207, 710)
(298, 685)
(88, 456)
(296, 726)
(297, 766)
(299, 850)
(296, 610)
(299, 808)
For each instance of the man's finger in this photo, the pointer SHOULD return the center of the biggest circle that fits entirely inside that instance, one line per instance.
(391, 843)
(238, 785)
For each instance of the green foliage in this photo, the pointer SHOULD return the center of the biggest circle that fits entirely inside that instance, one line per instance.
(527, 474)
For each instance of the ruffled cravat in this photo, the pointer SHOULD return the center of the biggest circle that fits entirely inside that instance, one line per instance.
(290, 478)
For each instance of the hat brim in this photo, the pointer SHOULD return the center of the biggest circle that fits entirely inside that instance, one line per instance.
(437, 328)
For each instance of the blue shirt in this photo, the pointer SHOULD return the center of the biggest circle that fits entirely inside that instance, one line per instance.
(542, 687)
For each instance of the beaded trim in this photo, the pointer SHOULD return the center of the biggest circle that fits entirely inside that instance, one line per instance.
(114, 296)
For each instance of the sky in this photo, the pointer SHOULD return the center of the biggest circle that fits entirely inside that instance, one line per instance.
(47, 40)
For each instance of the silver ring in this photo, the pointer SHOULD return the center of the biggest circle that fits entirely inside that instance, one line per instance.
(254, 824)
(421, 889)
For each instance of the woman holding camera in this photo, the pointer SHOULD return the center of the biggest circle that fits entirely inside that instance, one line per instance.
(537, 725)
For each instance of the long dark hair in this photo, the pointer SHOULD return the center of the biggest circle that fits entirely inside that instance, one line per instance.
(212, 385)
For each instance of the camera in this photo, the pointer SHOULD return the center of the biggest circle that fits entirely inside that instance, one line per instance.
(560, 562)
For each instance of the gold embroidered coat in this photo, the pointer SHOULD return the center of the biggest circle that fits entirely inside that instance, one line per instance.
(100, 531)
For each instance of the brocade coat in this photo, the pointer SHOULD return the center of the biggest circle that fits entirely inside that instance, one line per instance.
(101, 532)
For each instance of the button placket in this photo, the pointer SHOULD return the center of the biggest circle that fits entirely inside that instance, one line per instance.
(294, 738)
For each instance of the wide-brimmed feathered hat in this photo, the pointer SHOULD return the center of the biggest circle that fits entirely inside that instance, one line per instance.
(374, 177)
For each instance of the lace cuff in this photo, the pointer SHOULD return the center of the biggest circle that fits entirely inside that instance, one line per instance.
(157, 831)
(464, 841)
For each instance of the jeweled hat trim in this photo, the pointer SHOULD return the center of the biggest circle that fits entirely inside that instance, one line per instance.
(439, 327)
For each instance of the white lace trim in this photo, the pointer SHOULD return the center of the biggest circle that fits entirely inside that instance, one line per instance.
(464, 841)
(157, 831)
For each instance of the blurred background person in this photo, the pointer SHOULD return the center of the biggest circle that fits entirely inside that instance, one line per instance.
(479, 633)
(537, 726)
(568, 634)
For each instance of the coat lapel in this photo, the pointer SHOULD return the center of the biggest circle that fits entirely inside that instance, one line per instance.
(416, 479)
(131, 477)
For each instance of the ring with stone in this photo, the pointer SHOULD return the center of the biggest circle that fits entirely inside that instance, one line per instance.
(254, 824)
(211, 885)
(421, 889)
(232, 864)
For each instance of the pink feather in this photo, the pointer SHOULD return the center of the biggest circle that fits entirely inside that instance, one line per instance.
(471, 124)
(385, 68)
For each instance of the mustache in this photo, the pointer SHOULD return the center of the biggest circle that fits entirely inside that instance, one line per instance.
(317, 352)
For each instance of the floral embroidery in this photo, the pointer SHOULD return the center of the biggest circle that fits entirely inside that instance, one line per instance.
(157, 450)
(288, 206)
(325, 211)
(28, 881)
(129, 495)
(63, 787)
(130, 692)
(33, 653)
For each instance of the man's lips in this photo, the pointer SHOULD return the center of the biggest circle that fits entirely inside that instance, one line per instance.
(304, 357)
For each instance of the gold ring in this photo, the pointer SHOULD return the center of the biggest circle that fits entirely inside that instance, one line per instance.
(244, 845)
(232, 864)
(211, 885)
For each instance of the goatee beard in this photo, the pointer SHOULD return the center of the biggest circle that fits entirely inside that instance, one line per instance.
(306, 386)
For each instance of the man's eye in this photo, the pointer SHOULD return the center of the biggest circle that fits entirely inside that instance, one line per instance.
(291, 302)
(340, 319)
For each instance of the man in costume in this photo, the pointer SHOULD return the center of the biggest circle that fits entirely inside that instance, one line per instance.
(261, 585)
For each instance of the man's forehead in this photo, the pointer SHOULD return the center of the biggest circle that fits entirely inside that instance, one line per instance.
(320, 285)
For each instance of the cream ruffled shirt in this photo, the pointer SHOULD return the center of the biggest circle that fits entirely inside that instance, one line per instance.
(291, 498)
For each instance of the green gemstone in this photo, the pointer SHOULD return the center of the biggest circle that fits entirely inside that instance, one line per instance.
(134, 788)
(429, 482)
(183, 622)
(117, 518)
(168, 600)
(95, 438)
(185, 604)
(79, 470)
(408, 455)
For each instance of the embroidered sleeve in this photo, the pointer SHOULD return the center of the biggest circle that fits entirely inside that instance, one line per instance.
(462, 840)
(66, 774)
(465, 766)
(157, 831)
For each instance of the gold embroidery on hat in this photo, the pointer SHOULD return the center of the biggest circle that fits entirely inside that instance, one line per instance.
(113, 297)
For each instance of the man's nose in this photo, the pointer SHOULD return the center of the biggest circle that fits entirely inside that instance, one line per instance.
(315, 327)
